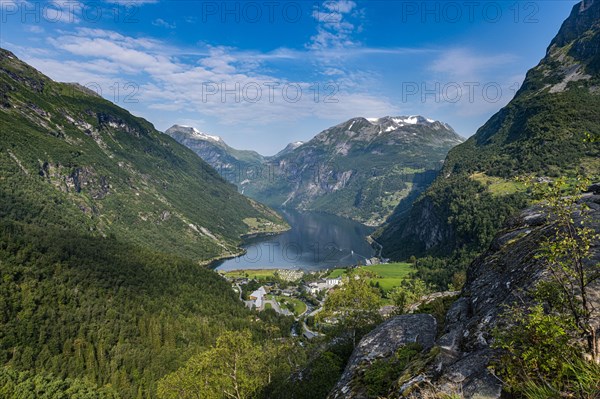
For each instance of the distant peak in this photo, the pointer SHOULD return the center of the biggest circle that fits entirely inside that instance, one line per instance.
(295, 144)
(401, 120)
(289, 148)
(193, 132)
(388, 124)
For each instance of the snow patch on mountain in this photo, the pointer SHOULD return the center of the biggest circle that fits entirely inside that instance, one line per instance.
(200, 135)
(402, 120)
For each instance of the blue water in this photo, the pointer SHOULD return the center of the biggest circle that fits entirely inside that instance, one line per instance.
(315, 241)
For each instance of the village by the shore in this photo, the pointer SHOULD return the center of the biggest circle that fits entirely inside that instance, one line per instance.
(289, 292)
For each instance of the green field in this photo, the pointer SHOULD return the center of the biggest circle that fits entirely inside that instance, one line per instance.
(258, 274)
(261, 225)
(498, 186)
(299, 306)
(335, 273)
(388, 275)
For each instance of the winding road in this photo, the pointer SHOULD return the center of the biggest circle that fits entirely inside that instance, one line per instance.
(307, 332)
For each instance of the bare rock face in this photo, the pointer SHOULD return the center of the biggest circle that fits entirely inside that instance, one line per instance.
(594, 188)
(381, 343)
(502, 276)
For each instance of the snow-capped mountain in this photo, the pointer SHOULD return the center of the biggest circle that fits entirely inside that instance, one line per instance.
(390, 123)
(361, 168)
(231, 163)
(195, 133)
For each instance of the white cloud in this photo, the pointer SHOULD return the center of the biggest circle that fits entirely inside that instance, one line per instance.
(333, 28)
(469, 83)
(128, 54)
(341, 6)
(161, 22)
(168, 84)
(219, 61)
(88, 74)
(464, 64)
(65, 11)
(34, 29)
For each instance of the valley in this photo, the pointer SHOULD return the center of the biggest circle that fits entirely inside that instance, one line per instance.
(360, 169)
(149, 250)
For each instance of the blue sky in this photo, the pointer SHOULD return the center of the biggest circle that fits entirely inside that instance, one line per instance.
(262, 74)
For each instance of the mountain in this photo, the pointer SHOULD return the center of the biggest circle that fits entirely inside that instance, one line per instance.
(113, 171)
(541, 132)
(231, 164)
(288, 148)
(103, 223)
(360, 169)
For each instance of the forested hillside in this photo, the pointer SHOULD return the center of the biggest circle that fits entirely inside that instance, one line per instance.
(115, 172)
(542, 132)
(103, 221)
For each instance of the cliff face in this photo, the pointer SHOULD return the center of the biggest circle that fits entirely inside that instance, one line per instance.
(501, 276)
(382, 343)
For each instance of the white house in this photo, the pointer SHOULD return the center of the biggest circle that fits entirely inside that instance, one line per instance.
(332, 282)
(258, 297)
(315, 288)
(326, 284)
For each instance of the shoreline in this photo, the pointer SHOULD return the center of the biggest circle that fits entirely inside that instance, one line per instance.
(210, 263)
(267, 269)
(260, 234)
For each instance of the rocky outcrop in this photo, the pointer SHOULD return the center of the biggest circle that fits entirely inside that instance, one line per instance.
(382, 343)
(502, 276)
(594, 188)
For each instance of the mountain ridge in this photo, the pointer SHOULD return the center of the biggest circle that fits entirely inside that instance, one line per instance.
(305, 174)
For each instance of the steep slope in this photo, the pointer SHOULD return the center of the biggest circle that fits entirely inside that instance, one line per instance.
(540, 132)
(360, 169)
(233, 165)
(504, 276)
(114, 172)
(102, 223)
